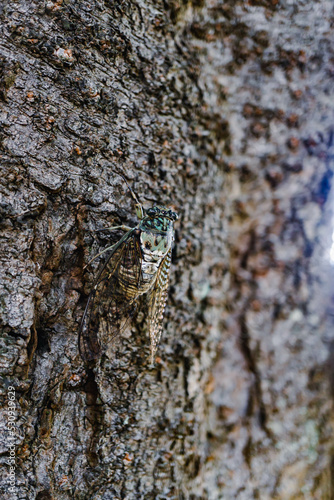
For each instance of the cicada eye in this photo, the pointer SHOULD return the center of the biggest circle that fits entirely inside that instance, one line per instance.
(151, 212)
(173, 215)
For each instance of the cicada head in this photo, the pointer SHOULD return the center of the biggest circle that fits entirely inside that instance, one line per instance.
(159, 219)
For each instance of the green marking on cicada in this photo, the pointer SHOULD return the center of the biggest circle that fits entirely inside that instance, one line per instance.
(138, 264)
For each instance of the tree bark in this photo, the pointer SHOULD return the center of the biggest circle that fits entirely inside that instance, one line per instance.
(222, 112)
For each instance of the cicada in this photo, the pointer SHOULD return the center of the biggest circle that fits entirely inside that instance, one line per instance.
(138, 264)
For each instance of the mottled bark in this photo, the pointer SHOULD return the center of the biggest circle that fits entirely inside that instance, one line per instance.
(222, 111)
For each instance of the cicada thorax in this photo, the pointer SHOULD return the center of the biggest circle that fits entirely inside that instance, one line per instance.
(154, 249)
(137, 278)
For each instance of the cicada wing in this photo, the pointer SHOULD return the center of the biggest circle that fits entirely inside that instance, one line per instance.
(113, 300)
(157, 302)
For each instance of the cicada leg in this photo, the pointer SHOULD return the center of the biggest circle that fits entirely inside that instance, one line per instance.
(98, 255)
(139, 209)
(123, 227)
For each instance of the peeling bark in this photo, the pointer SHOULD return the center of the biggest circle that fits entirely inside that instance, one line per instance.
(223, 112)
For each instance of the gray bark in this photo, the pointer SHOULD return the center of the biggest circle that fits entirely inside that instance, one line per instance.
(223, 112)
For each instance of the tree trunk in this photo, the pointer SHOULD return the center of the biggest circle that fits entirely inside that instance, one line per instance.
(222, 112)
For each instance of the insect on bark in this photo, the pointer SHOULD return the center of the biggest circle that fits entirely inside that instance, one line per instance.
(138, 264)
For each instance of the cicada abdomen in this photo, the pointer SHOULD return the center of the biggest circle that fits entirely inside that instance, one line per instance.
(138, 264)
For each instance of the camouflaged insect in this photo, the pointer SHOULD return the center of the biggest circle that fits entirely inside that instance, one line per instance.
(138, 264)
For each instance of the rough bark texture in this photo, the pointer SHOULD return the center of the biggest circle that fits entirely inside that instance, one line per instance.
(224, 112)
